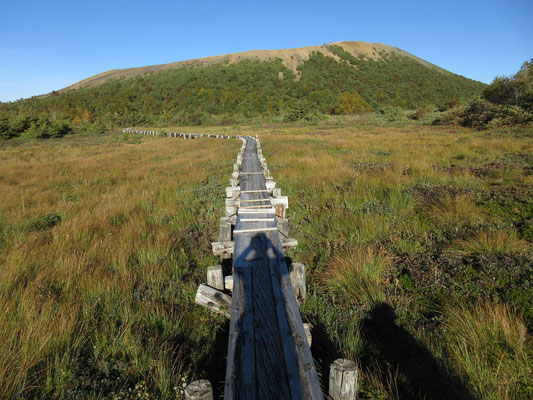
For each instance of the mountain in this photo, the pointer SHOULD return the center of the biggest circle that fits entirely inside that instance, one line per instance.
(291, 84)
(291, 58)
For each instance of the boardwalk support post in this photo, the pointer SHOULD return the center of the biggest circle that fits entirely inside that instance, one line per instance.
(199, 390)
(228, 283)
(224, 234)
(215, 277)
(297, 278)
(343, 380)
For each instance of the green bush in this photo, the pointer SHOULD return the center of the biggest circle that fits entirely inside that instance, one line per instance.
(44, 222)
(351, 103)
(5, 127)
(514, 91)
(419, 113)
(481, 114)
(44, 128)
(300, 111)
(32, 126)
(97, 127)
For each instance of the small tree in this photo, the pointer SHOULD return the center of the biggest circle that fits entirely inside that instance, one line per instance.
(516, 90)
(97, 127)
(351, 103)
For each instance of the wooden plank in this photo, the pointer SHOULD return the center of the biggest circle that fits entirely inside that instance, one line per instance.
(254, 200)
(271, 211)
(215, 277)
(199, 390)
(225, 249)
(343, 380)
(213, 299)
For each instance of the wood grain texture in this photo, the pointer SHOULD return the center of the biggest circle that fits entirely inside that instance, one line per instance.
(343, 380)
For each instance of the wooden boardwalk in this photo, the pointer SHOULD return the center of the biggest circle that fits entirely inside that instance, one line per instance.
(268, 354)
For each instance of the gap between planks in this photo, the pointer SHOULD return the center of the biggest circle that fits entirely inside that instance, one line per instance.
(256, 219)
(255, 230)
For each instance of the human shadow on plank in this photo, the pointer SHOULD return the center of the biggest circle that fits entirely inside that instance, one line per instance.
(263, 354)
(425, 378)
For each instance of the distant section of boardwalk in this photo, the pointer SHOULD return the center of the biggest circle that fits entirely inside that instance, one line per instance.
(268, 354)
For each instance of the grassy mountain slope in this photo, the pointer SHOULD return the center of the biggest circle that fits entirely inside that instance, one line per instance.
(291, 58)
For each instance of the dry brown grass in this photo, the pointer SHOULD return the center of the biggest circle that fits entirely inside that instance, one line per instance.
(66, 290)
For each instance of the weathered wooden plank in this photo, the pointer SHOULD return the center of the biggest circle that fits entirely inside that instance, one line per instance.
(252, 230)
(213, 299)
(228, 283)
(297, 277)
(307, 329)
(256, 211)
(224, 233)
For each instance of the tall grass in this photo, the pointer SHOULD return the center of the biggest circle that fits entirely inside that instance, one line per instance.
(490, 345)
(489, 241)
(358, 275)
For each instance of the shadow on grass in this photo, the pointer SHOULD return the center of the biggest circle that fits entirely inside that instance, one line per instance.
(324, 353)
(424, 377)
(216, 364)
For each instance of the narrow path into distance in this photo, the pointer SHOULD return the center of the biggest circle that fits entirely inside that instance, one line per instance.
(268, 353)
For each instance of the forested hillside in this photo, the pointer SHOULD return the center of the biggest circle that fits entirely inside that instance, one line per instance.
(338, 83)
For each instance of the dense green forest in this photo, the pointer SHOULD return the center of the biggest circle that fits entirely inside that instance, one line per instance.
(225, 94)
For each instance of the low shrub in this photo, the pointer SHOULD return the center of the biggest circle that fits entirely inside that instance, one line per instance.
(97, 127)
(481, 114)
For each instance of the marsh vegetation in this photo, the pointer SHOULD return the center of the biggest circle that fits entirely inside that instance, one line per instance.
(417, 241)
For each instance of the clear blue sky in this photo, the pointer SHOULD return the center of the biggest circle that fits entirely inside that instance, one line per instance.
(47, 45)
